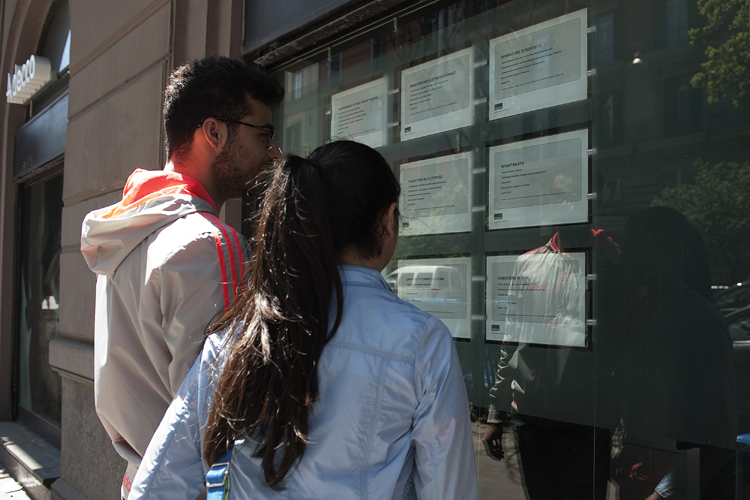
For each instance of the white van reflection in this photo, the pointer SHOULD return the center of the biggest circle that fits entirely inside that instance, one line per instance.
(437, 284)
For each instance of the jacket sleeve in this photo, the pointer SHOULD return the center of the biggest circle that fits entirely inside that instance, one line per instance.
(441, 433)
(198, 283)
(171, 467)
(501, 393)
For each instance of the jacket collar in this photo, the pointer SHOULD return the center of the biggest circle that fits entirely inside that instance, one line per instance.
(358, 275)
(145, 185)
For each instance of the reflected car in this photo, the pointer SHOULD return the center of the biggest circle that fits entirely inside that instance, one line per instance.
(739, 328)
(733, 298)
(424, 282)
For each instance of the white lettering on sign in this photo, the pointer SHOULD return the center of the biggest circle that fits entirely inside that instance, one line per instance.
(27, 79)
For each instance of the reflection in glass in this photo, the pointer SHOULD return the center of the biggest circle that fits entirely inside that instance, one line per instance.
(301, 111)
(439, 287)
(535, 67)
(677, 22)
(605, 39)
(538, 297)
(539, 182)
(680, 381)
(562, 430)
(734, 298)
(672, 131)
(39, 295)
(435, 195)
(437, 95)
(56, 39)
(359, 114)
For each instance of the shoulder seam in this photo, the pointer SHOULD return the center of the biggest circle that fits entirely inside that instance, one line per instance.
(363, 482)
(417, 372)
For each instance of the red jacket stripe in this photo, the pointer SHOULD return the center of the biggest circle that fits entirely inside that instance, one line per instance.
(241, 277)
(222, 264)
(231, 249)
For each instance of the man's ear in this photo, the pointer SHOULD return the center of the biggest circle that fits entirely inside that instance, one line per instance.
(214, 133)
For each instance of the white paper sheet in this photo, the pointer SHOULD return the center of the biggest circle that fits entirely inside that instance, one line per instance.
(540, 66)
(435, 195)
(537, 298)
(437, 96)
(358, 114)
(441, 287)
(539, 182)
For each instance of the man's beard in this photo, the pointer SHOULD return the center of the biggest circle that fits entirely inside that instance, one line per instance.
(229, 171)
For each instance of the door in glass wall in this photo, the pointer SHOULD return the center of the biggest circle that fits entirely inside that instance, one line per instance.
(38, 295)
(575, 199)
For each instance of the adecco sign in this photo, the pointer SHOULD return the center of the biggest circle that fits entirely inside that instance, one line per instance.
(28, 79)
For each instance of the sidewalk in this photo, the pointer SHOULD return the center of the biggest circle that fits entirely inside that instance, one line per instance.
(9, 488)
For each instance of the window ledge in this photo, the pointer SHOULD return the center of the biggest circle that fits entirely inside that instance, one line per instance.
(73, 359)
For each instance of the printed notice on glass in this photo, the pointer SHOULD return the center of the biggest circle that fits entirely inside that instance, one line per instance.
(359, 114)
(435, 195)
(537, 298)
(437, 96)
(538, 67)
(440, 287)
(539, 182)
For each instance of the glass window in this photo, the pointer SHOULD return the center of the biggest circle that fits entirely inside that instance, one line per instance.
(609, 118)
(38, 390)
(405, 279)
(39, 387)
(733, 298)
(677, 22)
(739, 326)
(579, 223)
(55, 45)
(605, 37)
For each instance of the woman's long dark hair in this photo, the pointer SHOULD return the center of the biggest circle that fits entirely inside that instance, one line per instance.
(313, 211)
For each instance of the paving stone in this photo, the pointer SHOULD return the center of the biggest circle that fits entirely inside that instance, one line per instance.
(10, 489)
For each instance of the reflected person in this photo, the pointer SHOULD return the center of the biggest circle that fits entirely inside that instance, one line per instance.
(681, 382)
(550, 391)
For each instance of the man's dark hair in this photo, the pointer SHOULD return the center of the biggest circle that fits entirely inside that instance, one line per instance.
(212, 87)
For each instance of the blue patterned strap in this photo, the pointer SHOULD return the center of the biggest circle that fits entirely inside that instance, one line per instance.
(217, 478)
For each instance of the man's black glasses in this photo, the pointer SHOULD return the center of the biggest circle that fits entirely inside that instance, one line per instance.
(270, 131)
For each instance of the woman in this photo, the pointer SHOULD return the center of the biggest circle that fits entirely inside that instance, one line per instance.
(323, 381)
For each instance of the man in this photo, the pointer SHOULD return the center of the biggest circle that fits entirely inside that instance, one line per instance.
(167, 264)
(560, 401)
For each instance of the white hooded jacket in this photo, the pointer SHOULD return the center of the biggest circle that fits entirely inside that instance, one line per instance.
(167, 267)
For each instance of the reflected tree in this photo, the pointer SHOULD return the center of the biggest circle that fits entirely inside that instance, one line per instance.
(725, 38)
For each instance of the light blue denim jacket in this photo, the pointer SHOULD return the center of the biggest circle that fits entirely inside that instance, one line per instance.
(392, 420)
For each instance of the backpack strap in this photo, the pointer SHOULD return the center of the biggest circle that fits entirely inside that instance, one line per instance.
(217, 478)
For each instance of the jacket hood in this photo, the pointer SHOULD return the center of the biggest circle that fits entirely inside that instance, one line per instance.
(150, 200)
